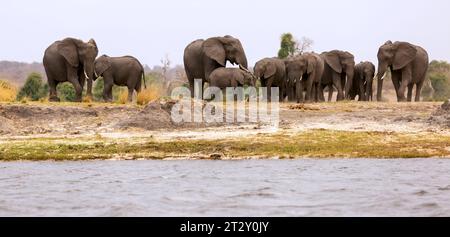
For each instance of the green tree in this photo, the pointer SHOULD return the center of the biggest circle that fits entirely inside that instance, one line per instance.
(97, 90)
(34, 88)
(439, 77)
(287, 46)
(66, 92)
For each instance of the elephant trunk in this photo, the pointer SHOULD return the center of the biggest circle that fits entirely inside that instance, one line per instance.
(89, 74)
(382, 68)
(242, 61)
(368, 85)
(349, 82)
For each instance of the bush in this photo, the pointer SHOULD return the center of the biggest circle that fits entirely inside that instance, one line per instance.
(287, 46)
(34, 88)
(439, 78)
(7, 91)
(441, 86)
(66, 91)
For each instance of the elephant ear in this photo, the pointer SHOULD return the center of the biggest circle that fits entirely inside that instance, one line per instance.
(311, 64)
(332, 59)
(271, 69)
(405, 54)
(102, 65)
(213, 48)
(69, 51)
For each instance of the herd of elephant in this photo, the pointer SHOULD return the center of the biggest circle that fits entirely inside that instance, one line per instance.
(301, 78)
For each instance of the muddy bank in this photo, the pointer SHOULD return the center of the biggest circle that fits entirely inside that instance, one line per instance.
(37, 119)
(39, 131)
(441, 116)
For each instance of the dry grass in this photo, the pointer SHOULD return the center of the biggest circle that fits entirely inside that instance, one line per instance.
(152, 93)
(123, 97)
(7, 92)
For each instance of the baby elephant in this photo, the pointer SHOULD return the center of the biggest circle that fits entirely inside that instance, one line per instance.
(231, 77)
(121, 71)
(362, 82)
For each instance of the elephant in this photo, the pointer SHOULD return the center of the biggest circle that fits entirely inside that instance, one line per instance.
(408, 64)
(121, 71)
(338, 71)
(306, 72)
(363, 81)
(272, 73)
(70, 60)
(231, 77)
(202, 57)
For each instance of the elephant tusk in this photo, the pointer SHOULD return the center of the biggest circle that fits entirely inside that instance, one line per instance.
(384, 75)
(95, 73)
(85, 74)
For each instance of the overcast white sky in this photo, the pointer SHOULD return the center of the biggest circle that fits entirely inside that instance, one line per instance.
(151, 29)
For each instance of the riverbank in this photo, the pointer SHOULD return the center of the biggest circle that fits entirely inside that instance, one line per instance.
(106, 131)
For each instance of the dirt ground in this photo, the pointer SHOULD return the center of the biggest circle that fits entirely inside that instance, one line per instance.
(70, 131)
(35, 120)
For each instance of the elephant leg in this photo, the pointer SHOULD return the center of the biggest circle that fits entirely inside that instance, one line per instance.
(130, 94)
(314, 93)
(362, 92)
(406, 79)
(419, 90)
(107, 91)
(309, 87)
(396, 78)
(73, 78)
(269, 91)
(320, 92)
(299, 90)
(337, 83)
(410, 89)
(282, 93)
(53, 93)
(330, 92)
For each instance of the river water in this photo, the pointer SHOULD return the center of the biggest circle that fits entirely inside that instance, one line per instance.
(305, 187)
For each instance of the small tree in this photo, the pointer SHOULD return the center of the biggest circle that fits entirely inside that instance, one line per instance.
(287, 46)
(439, 76)
(290, 46)
(34, 88)
(66, 92)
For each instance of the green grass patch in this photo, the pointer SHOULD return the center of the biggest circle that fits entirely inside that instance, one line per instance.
(314, 143)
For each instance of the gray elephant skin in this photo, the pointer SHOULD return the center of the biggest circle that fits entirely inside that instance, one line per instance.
(408, 64)
(70, 60)
(202, 57)
(305, 72)
(338, 72)
(363, 81)
(272, 73)
(231, 77)
(121, 71)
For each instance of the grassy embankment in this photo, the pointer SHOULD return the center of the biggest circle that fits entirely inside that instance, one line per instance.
(314, 143)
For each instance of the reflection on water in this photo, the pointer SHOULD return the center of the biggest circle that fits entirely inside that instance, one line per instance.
(308, 187)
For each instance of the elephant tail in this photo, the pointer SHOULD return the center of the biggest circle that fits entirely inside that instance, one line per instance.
(143, 76)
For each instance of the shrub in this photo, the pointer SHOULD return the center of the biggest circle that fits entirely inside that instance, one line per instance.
(439, 77)
(66, 92)
(34, 88)
(7, 91)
